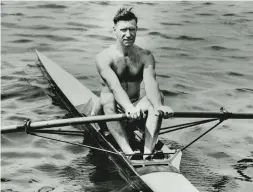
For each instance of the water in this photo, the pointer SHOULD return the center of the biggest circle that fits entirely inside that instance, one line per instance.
(203, 52)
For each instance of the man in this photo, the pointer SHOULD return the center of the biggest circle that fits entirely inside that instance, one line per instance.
(128, 79)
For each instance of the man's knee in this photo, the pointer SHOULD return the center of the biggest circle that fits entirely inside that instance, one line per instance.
(144, 104)
(96, 108)
(106, 98)
(151, 109)
(162, 97)
(108, 102)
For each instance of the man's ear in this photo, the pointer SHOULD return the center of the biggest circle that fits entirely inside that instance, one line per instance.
(114, 31)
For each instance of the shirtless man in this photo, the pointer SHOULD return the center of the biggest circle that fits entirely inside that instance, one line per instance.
(128, 79)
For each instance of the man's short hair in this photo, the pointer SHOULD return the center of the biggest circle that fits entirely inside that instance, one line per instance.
(124, 14)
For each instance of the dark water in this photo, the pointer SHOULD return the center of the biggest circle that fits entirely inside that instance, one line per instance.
(204, 57)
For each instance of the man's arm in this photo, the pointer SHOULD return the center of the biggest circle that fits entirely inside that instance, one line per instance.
(152, 88)
(103, 63)
(150, 83)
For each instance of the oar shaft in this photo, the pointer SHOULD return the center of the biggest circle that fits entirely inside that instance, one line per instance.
(77, 120)
(12, 128)
(63, 122)
(213, 115)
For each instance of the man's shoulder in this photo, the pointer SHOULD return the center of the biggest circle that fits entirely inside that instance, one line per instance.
(105, 53)
(143, 52)
(104, 58)
(146, 56)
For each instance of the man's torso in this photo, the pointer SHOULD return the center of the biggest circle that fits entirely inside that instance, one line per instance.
(129, 70)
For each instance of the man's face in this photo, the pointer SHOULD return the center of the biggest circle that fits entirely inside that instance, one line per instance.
(126, 32)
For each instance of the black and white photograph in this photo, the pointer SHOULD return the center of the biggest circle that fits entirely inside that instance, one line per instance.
(126, 96)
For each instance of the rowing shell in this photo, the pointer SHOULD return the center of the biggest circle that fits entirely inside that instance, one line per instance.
(157, 175)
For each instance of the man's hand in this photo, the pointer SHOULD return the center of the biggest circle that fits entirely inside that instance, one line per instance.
(133, 112)
(164, 111)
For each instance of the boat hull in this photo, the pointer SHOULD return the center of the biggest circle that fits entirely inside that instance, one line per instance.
(79, 100)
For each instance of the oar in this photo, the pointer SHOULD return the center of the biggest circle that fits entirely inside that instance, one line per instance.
(62, 122)
(118, 117)
(221, 115)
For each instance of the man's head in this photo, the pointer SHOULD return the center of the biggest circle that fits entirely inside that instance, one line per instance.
(124, 14)
(125, 26)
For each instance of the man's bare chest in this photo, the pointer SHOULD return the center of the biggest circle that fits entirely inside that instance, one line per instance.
(128, 68)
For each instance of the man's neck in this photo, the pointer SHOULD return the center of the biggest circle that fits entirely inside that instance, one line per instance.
(126, 51)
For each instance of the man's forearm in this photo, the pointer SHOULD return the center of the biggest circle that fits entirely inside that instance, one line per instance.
(153, 92)
(121, 97)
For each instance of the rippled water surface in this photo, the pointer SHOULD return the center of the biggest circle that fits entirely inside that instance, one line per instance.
(204, 59)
